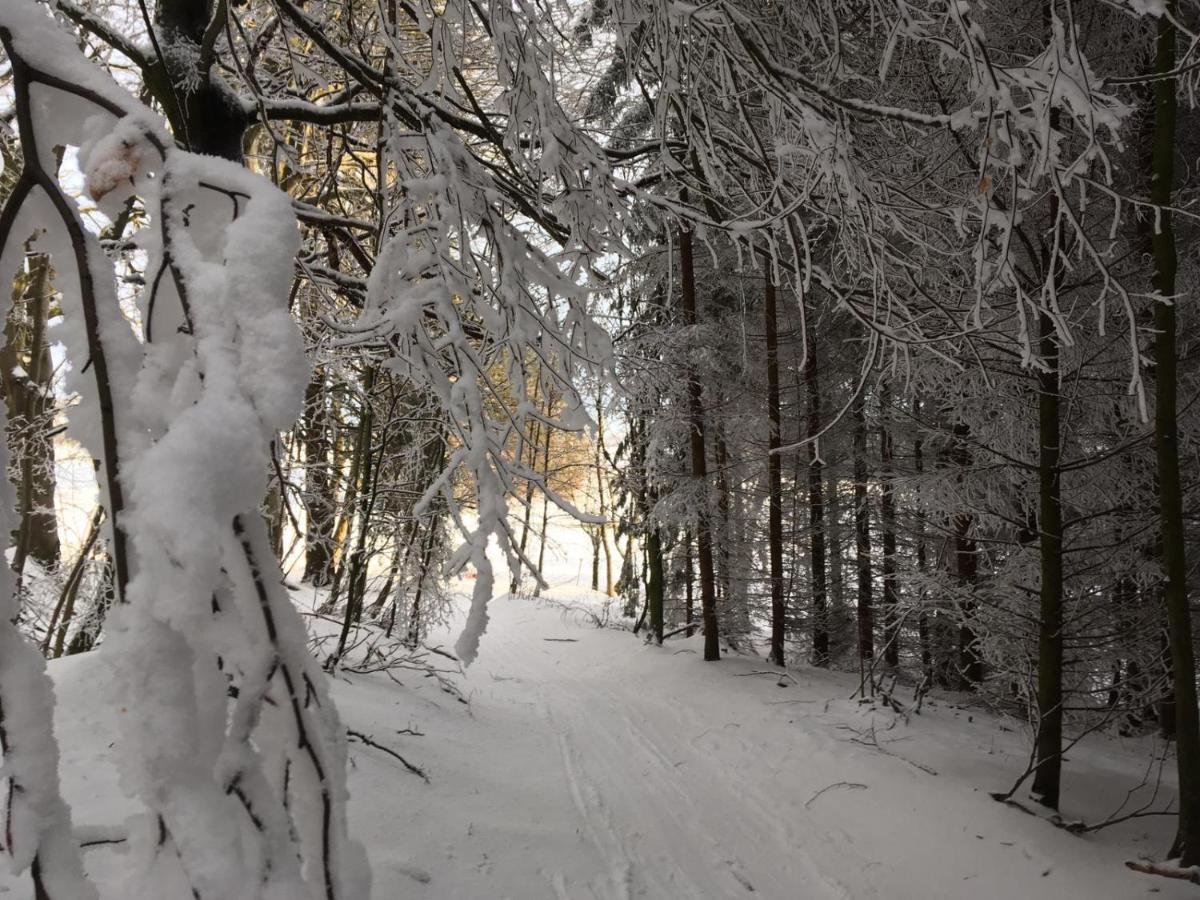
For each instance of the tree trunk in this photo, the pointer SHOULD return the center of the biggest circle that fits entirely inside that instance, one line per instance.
(970, 661)
(708, 594)
(835, 613)
(319, 483)
(923, 628)
(862, 533)
(816, 506)
(689, 583)
(654, 584)
(1166, 438)
(532, 442)
(60, 621)
(547, 435)
(204, 113)
(363, 494)
(609, 585)
(774, 476)
(413, 632)
(887, 523)
(30, 402)
(1047, 778)
(723, 538)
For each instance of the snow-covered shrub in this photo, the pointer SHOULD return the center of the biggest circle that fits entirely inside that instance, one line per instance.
(230, 742)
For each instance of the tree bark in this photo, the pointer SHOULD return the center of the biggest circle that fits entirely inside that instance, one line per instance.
(970, 660)
(1047, 778)
(708, 594)
(655, 583)
(862, 534)
(887, 523)
(817, 565)
(1166, 438)
(30, 401)
(319, 483)
(923, 624)
(774, 476)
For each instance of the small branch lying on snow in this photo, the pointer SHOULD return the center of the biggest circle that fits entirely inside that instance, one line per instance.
(779, 675)
(562, 640)
(100, 835)
(849, 785)
(1045, 814)
(869, 739)
(1191, 874)
(681, 630)
(370, 742)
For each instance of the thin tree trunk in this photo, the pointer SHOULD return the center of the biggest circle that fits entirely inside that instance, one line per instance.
(361, 509)
(862, 534)
(970, 661)
(30, 405)
(413, 632)
(531, 442)
(689, 583)
(887, 524)
(817, 564)
(774, 477)
(921, 550)
(655, 583)
(609, 586)
(547, 435)
(64, 611)
(1047, 778)
(708, 594)
(319, 483)
(835, 564)
(723, 537)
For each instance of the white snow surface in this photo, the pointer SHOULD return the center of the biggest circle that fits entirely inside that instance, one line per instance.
(590, 766)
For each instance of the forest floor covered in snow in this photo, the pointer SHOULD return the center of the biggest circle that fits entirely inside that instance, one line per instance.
(585, 764)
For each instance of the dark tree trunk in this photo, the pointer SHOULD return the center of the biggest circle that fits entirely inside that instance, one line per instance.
(1047, 778)
(205, 115)
(708, 593)
(547, 435)
(363, 493)
(816, 505)
(835, 613)
(689, 583)
(319, 483)
(774, 476)
(30, 401)
(1166, 438)
(922, 552)
(887, 522)
(862, 533)
(966, 556)
(654, 584)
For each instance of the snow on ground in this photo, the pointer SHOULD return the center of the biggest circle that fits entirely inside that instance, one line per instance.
(590, 766)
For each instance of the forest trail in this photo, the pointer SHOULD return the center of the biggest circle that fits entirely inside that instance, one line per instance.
(593, 768)
(589, 766)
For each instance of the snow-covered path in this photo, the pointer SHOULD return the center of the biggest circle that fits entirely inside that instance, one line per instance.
(591, 766)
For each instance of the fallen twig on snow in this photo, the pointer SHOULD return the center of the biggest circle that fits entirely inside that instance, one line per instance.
(849, 785)
(1191, 874)
(370, 742)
